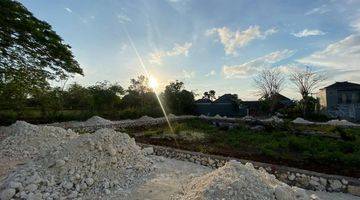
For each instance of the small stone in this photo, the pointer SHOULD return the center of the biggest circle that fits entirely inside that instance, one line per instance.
(89, 181)
(59, 163)
(73, 195)
(345, 182)
(111, 150)
(323, 181)
(291, 177)
(83, 186)
(68, 185)
(15, 185)
(7, 194)
(31, 187)
(335, 184)
(107, 191)
(148, 151)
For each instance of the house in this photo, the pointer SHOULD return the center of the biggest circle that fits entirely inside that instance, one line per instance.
(225, 105)
(341, 100)
(254, 108)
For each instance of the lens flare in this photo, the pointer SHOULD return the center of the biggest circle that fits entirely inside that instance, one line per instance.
(153, 80)
(153, 83)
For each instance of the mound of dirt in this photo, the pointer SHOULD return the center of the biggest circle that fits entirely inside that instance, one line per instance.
(340, 123)
(96, 120)
(274, 119)
(171, 115)
(24, 140)
(300, 120)
(88, 167)
(145, 118)
(235, 181)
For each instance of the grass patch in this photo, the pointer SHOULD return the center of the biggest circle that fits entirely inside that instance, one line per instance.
(278, 144)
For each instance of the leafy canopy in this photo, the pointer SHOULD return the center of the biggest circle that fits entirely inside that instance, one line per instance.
(31, 53)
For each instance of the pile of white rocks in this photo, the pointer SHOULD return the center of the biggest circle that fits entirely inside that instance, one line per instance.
(235, 181)
(24, 140)
(96, 120)
(88, 167)
(300, 120)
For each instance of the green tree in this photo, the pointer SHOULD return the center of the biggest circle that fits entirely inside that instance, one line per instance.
(78, 97)
(31, 54)
(177, 99)
(106, 96)
(209, 95)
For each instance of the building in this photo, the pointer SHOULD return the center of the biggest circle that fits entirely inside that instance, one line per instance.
(229, 105)
(225, 105)
(341, 100)
(254, 108)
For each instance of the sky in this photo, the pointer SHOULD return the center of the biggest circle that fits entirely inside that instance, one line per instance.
(207, 44)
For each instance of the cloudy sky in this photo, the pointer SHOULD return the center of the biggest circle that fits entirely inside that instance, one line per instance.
(208, 44)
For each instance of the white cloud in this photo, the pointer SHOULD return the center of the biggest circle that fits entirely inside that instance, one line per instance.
(307, 32)
(188, 74)
(123, 18)
(69, 10)
(211, 73)
(233, 40)
(343, 54)
(157, 57)
(319, 10)
(355, 24)
(254, 66)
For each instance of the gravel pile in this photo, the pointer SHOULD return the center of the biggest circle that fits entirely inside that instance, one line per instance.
(235, 181)
(273, 119)
(88, 167)
(96, 120)
(145, 118)
(300, 120)
(340, 123)
(24, 140)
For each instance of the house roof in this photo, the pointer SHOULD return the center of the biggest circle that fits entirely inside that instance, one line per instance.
(343, 86)
(203, 100)
(226, 98)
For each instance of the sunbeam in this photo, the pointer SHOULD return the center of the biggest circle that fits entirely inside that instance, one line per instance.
(152, 81)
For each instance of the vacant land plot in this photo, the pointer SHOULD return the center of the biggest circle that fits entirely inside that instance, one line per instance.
(322, 148)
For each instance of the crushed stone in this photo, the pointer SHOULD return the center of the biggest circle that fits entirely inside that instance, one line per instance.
(300, 120)
(24, 140)
(90, 166)
(235, 181)
(273, 119)
(96, 120)
(340, 123)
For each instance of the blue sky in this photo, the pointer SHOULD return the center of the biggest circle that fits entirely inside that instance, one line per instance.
(208, 44)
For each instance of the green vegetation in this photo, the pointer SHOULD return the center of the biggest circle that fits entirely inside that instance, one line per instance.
(107, 100)
(31, 55)
(274, 145)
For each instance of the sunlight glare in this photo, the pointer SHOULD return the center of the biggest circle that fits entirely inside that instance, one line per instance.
(153, 83)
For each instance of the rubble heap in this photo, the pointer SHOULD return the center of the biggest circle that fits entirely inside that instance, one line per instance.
(90, 166)
(235, 181)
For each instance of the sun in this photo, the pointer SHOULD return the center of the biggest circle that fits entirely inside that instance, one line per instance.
(153, 83)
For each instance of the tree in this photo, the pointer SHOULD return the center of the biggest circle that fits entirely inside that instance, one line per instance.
(210, 95)
(139, 85)
(31, 53)
(106, 96)
(139, 93)
(177, 99)
(306, 82)
(269, 83)
(78, 97)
